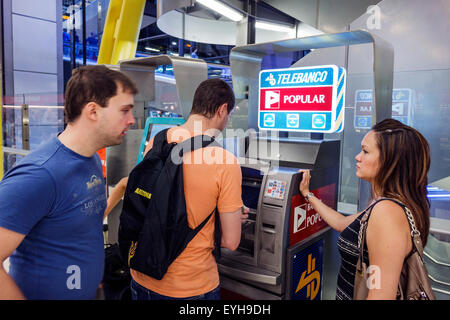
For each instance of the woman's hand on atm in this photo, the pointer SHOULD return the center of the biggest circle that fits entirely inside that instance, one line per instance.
(304, 184)
(245, 212)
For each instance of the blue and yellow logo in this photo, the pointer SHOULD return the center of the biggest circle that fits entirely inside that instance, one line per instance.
(307, 270)
(310, 279)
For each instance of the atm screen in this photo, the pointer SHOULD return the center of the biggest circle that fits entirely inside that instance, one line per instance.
(251, 186)
(153, 125)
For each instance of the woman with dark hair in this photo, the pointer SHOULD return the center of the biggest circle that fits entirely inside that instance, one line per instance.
(395, 159)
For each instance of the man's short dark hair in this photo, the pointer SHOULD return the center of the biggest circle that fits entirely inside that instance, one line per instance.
(210, 95)
(93, 84)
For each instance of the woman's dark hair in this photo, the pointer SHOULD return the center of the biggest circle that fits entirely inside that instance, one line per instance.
(93, 84)
(404, 165)
(210, 95)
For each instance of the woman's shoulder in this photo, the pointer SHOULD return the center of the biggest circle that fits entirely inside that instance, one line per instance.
(388, 211)
(388, 219)
(388, 229)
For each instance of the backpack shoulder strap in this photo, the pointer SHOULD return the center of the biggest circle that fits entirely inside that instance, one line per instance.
(158, 141)
(199, 227)
(194, 143)
(160, 138)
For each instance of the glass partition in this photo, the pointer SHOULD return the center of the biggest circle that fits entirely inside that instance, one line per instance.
(28, 121)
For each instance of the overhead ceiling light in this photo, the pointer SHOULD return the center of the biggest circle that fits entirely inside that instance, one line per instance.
(272, 26)
(224, 10)
(151, 49)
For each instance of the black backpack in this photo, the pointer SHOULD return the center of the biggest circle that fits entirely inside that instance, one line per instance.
(153, 228)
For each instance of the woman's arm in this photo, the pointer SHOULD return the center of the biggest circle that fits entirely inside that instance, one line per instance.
(388, 240)
(116, 194)
(333, 218)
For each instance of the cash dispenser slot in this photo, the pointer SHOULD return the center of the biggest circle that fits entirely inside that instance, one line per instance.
(251, 186)
(268, 237)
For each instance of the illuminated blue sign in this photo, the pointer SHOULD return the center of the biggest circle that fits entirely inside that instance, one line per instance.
(308, 99)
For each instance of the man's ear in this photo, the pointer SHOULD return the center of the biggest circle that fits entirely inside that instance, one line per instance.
(223, 110)
(90, 111)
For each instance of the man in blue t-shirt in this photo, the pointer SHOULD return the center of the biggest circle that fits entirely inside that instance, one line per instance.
(52, 203)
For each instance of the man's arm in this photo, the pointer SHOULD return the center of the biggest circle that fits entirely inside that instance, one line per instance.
(230, 223)
(10, 240)
(27, 195)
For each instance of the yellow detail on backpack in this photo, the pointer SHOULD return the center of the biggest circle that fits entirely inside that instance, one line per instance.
(143, 193)
(132, 251)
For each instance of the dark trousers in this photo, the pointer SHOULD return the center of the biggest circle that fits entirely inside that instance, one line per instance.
(138, 292)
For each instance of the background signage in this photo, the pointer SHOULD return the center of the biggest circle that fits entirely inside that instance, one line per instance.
(401, 107)
(309, 99)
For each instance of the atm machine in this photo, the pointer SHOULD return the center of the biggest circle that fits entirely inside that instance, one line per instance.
(282, 247)
(281, 227)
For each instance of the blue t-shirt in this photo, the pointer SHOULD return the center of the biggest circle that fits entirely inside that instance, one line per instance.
(56, 198)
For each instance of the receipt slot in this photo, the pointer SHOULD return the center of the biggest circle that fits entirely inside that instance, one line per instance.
(281, 250)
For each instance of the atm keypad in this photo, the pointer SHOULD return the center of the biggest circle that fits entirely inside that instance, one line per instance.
(275, 189)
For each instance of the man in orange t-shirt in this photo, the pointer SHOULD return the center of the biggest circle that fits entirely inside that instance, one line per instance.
(211, 177)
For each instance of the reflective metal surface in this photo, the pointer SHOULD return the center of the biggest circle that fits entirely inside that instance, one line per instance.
(189, 73)
(25, 127)
(121, 159)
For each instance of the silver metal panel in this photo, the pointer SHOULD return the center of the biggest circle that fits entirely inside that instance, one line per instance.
(249, 273)
(33, 83)
(295, 152)
(25, 127)
(114, 222)
(38, 37)
(422, 63)
(326, 15)
(164, 6)
(417, 45)
(271, 255)
(245, 72)
(383, 73)
(121, 159)
(144, 78)
(195, 26)
(44, 9)
(189, 73)
(307, 153)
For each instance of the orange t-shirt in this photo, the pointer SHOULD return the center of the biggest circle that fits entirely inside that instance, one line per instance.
(211, 176)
